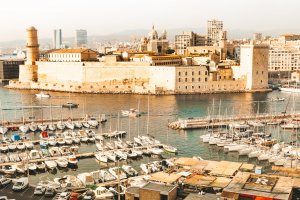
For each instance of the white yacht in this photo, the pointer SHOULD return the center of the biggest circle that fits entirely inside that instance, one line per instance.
(42, 95)
(50, 164)
(101, 157)
(62, 162)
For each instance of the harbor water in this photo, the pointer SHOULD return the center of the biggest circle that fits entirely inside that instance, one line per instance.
(162, 109)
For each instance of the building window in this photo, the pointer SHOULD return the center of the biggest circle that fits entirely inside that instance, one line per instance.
(199, 73)
(199, 86)
(262, 72)
(185, 79)
(205, 79)
(192, 73)
(205, 72)
(186, 87)
(192, 79)
(192, 87)
(261, 81)
(179, 79)
(179, 73)
(256, 72)
(199, 79)
(186, 73)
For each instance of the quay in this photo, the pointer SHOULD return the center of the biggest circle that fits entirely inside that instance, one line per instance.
(210, 122)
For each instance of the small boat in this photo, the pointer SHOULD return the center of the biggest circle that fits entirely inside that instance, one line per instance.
(14, 158)
(44, 144)
(132, 154)
(24, 128)
(61, 125)
(12, 147)
(20, 168)
(72, 161)
(42, 95)
(78, 124)
(70, 105)
(170, 149)
(74, 149)
(21, 146)
(52, 141)
(44, 135)
(85, 124)
(41, 166)
(54, 151)
(101, 157)
(64, 150)
(93, 122)
(60, 141)
(4, 147)
(62, 162)
(129, 170)
(103, 193)
(131, 113)
(32, 167)
(29, 145)
(70, 125)
(99, 146)
(3, 130)
(24, 156)
(33, 126)
(121, 155)
(34, 154)
(117, 172)
(145, 169)
(42, 127)
(99, 137)
(156, 151)
(111, 156)
(50, 164)
(76, 140)
(106, 176)
(52, 127)
(91, 139)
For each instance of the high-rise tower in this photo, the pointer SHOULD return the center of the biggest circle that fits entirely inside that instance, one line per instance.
(57, 39)
(28, 72)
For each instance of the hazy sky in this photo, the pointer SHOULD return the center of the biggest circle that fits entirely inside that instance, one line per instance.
(102, 17)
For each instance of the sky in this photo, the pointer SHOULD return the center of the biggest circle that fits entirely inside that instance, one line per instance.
(101, 17)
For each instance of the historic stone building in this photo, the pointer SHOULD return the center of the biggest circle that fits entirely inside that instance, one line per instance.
(154, 43)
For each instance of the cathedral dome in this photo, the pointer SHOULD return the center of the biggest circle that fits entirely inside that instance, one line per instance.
(152, 35)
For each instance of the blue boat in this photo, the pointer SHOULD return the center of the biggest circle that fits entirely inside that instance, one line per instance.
(15, 137)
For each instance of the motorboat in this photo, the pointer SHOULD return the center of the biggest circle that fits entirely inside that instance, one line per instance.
(44, 144)
(117, 172)
(99, 146)
(10, 170)
(103, 193)
(52, 141)
(61, 141)
(129, 170)
(101, 157)
(50, 164)
(76, 140)
(62, 162)
(132, 154)
(44, 135)
(156, 151)
(24, 128)
(42, 95)
(21, 146)
(91, 139)
(74, 149)
(85, 124)
(106, 176)
(72, 161)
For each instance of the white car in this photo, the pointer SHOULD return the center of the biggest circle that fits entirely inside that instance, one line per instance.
(39, 190)
(64, 195)
(20, 184)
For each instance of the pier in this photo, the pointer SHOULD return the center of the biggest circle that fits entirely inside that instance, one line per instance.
(219, 121)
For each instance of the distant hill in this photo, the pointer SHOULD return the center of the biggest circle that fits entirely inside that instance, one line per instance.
(136, 34)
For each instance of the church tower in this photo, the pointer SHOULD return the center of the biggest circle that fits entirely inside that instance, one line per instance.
(28, 72)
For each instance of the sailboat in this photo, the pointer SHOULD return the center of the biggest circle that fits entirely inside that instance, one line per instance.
(168, 147)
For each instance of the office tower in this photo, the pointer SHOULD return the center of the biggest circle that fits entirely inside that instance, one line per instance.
(214, 31)
(81, 38)
(57, 39)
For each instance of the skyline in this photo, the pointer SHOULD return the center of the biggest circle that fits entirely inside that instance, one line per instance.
(111, 17)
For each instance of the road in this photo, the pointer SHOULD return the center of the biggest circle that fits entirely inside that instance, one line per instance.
(22, 195)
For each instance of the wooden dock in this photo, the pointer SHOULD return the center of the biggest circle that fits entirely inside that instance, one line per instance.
(209, 122)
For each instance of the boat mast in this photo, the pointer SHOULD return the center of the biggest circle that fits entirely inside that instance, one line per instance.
(148, 111)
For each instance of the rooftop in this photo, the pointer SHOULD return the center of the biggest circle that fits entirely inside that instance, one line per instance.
(163, 188)
(70, 50)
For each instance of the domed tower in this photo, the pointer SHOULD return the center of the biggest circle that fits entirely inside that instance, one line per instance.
(28, 72)
(164, 35)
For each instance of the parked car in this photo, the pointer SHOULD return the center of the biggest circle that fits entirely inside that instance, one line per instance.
(20, 184)
(89, 195)
(75, 196)
(50, 192)
(39, 190)
(64, 196)
(4, 181)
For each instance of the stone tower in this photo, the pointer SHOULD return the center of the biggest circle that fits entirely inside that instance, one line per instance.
(28, 72)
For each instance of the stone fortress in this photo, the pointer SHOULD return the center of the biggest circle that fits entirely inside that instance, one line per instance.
(149, 71)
